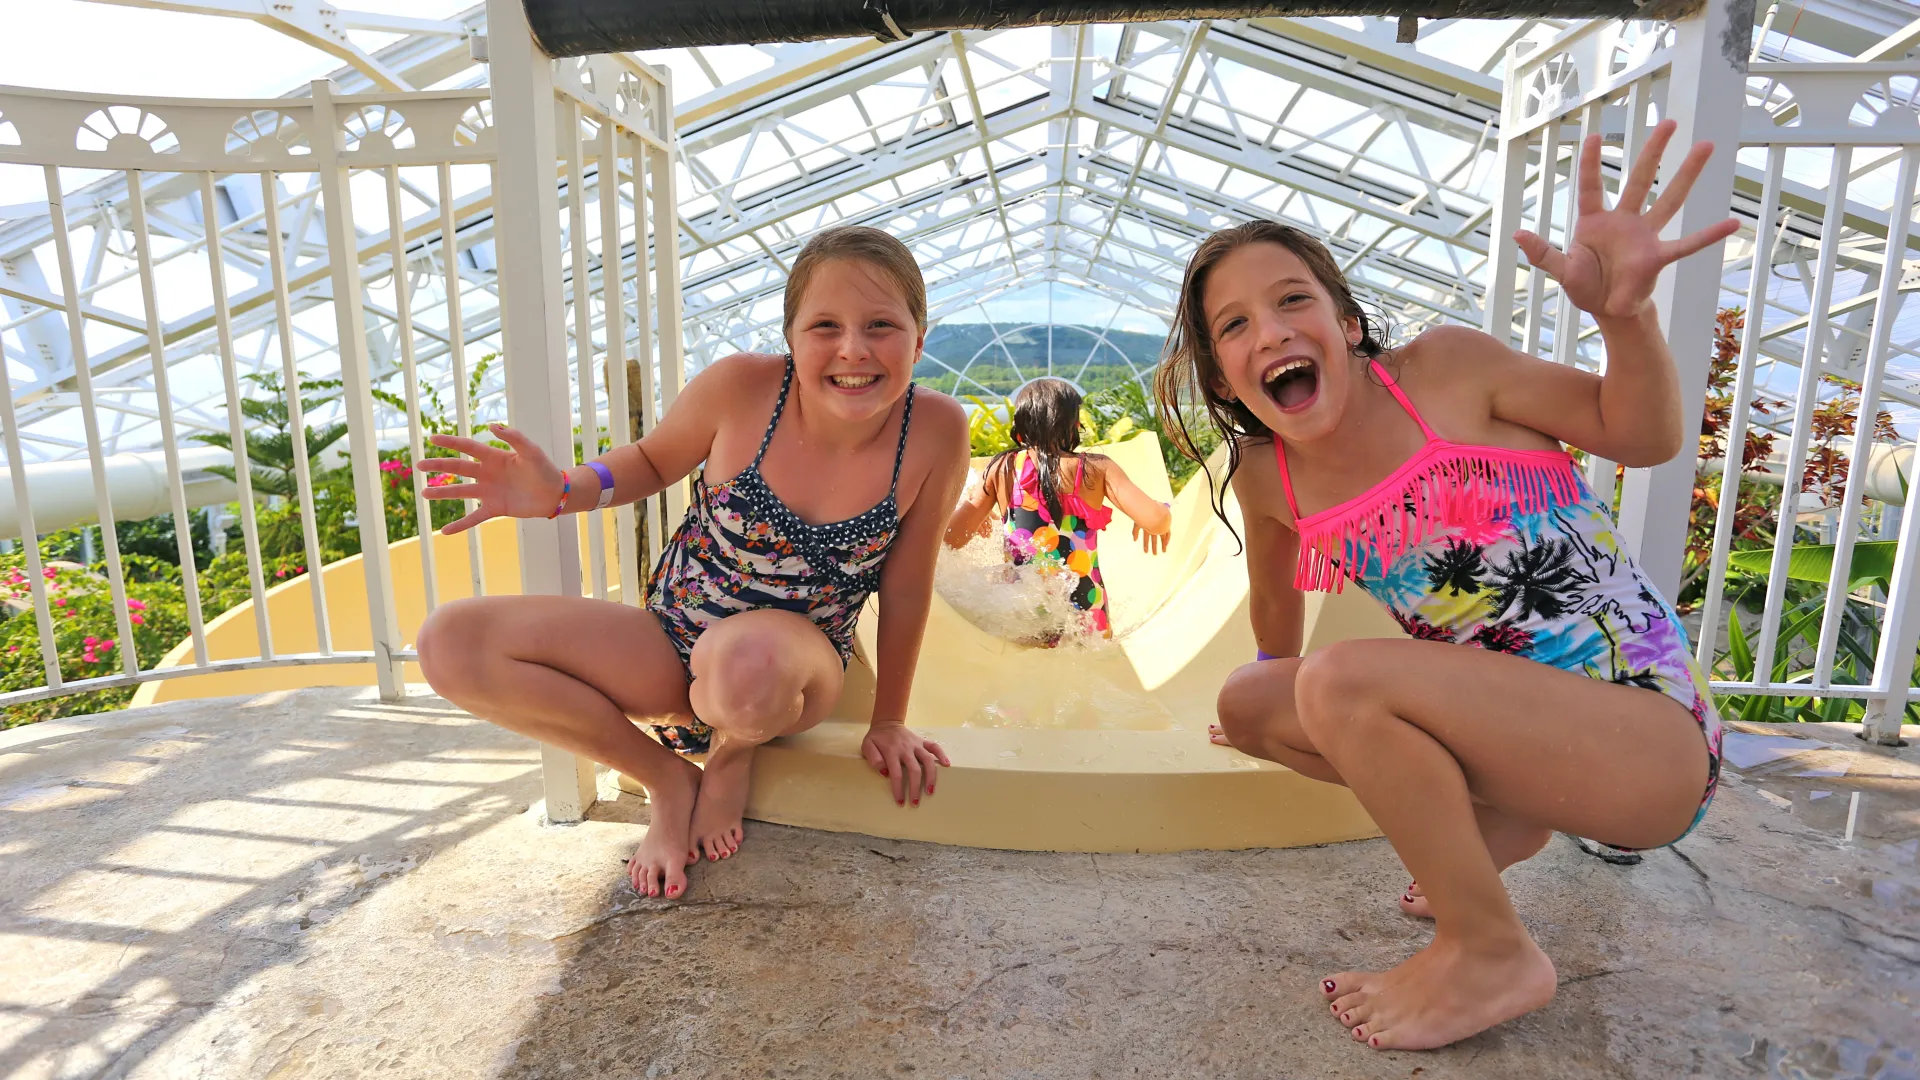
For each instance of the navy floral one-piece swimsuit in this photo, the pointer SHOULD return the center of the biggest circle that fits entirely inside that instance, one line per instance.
(741, 548)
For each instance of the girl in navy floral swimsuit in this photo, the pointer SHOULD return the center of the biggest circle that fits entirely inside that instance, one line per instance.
(825, 477)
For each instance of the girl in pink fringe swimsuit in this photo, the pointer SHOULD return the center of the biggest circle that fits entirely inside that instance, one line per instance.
(1547, 686)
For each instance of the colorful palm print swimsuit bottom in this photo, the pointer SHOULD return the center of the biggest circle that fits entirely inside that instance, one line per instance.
(1072, 542)
(741, 549)
(1510, 551)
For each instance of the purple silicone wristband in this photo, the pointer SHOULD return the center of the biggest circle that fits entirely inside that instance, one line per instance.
(606, 480)
(1261, 654)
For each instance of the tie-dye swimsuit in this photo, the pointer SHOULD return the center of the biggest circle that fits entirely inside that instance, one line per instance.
(1073, 541)
(741, 548)
(1510, 551)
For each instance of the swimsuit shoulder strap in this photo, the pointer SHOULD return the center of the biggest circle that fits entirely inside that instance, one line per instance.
(786, 383)
(1286, 478)
(1393, 387)
(900, 452)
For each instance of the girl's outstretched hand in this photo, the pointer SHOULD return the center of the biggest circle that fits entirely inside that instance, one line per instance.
(1615, 255)
(908, 761)
(1150, 542)
(517, 482)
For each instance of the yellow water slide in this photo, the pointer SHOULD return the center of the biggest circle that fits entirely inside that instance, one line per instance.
(1097, 748)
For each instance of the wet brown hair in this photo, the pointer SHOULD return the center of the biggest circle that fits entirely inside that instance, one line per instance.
(1189, 374)
(1046, 421)
(868, 245)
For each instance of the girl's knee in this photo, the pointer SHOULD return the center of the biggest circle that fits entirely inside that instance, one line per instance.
(747, 683)
(1245, 705)
(450, 644)
(1332, 681)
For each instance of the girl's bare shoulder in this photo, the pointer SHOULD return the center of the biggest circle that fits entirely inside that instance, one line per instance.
(1447, 359)
(939, 431)
(1257, 483)
(743, 382)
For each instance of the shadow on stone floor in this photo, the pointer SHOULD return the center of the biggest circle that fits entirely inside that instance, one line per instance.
(157, 861)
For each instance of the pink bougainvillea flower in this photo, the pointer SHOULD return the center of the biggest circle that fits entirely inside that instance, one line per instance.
(59, 601)
(104, 646)
(136, 605)
(89, 657)
(92, 641)
(139, 620)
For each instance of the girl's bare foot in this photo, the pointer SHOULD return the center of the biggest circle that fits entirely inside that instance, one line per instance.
(717, 816)
(1509, 841)
(659, 864)
(1447, 991)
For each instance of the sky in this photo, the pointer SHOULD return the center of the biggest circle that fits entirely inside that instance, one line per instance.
(71, 45)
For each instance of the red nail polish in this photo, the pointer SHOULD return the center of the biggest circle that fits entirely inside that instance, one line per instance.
(1328, 984)
(1374, 1042)
(883, 770)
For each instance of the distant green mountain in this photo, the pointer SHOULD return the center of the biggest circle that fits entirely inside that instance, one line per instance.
(1078, 354)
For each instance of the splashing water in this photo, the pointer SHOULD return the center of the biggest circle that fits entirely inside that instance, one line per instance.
(1070, 679)
(1030, 604)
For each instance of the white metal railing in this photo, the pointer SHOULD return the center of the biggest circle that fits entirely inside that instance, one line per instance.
(1859, 117)
(356, 169)
(1855, 125)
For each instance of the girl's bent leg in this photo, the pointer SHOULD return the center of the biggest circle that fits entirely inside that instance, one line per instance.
(569, 671)
(756, 676)
(1407, 727)
(1258, 717)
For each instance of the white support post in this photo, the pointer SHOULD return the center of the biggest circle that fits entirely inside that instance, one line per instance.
(1899, 639)
(356, 379)
(1706, 96)
(666, 266)
(533, 332)
(1503, 255)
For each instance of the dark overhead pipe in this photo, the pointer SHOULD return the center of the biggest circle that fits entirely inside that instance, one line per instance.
(582, 27)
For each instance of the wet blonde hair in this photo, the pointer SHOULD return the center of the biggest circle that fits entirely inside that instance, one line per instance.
(868, 245)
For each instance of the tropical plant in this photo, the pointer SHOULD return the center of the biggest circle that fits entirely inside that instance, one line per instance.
(1121, 410)
(1798, 637)
(269, 435)
(86, 631)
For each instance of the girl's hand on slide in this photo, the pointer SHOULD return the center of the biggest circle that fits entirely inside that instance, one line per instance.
(520, 481)
(1152, 543)
(1615, 255)
(908, 761)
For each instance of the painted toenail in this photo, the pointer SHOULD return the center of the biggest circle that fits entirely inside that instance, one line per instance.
(1374, 1042)
(1328, 984)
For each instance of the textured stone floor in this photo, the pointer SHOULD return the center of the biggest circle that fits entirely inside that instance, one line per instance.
(318, 884)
